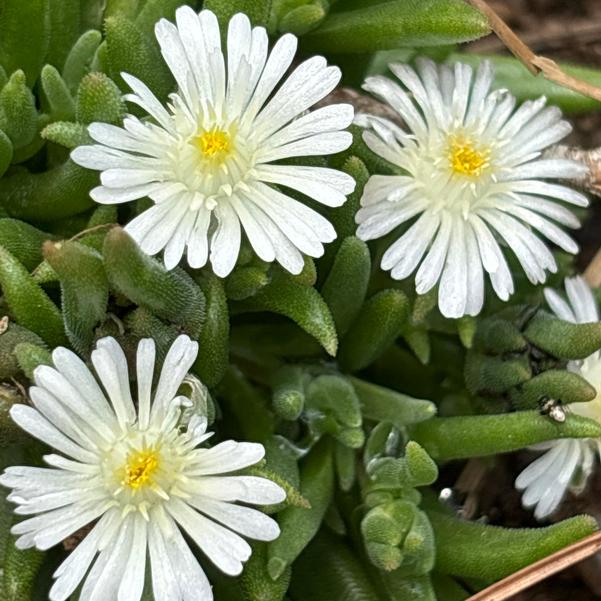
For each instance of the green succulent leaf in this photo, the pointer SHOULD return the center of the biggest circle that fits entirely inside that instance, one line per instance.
(304, 305)
(398, 23)
(18, 114)
(10, 338)
(130, 51)
(379, 323)
(563, 339)
(213, 340)
(346, 285)
(41, 196)
(6, 152)
(65, 19)
(329, 571)
(478, 435)
(99, 99)
(15, 51)
(59, 99)
(80, 57)
(257, 10)
(386, 405)
(299, 525)
(84, 289)
(23, 241)
(28, 303)
(488, 553)
(170, 295)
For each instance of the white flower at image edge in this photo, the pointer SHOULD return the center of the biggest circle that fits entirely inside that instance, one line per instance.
(137, 476)
(473, 182)
(210, 159)
(567, 463)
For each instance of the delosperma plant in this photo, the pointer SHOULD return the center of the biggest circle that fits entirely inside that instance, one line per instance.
(268, 270)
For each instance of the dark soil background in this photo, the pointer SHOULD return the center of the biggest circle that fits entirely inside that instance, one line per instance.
(564, 30)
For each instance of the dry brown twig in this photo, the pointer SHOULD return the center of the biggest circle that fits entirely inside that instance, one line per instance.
(534, 63)
(540, 570)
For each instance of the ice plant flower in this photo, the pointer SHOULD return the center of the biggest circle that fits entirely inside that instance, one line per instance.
(136, 475)
(471, 178)
(211, 160)
(567, 463)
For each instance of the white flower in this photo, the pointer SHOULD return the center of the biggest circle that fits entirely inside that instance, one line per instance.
(137, 477)
(472, 180)
(567, 463)
(210, 159)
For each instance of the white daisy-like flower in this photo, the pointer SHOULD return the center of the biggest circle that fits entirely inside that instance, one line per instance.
(473, 180)
(567, 463)
(211, 160)
(137, 476)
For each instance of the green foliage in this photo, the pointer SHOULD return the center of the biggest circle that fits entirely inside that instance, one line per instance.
(23, 241)
(257, 584)
(489, 553)
(13, 336)
(41, 196)
(130, 51)
(213, 354)
(84, 288)
(299, 525)
(18, 115)
(80, 57)
(99, 99)
(257, 10)
(330, 571)
(16, 52)
(28, 304)
(385, 405)
(303, 304)
(346, 285)
(477, 435)
(289, 391)
(65, 18)
(57, 94)
(6, 152)
(399, 23)
(377, 326)
(563, 339)
(171, 295)
(19, 572)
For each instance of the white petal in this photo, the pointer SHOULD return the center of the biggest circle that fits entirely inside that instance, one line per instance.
(452, 292)
(32, 421)
(145, 359)
(228, 456)
(431, 267)
(178, 362)
(224, 548)
(244, 520)
(327, 186)
(225, 241)
(111, 366)
(582, 300)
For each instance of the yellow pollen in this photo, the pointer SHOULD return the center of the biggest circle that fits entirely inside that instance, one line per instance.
(213, 142)
(139, 469)
(465, 159)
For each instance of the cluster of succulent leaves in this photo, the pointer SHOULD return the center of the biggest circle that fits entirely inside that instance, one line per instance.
(327, 368)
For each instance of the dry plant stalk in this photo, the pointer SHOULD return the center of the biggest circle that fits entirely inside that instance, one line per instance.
(542, 569)
(534, 63)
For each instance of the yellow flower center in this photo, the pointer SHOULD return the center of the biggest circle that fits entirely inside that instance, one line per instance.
(140, 468)
(214, 143)
(465, 159)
